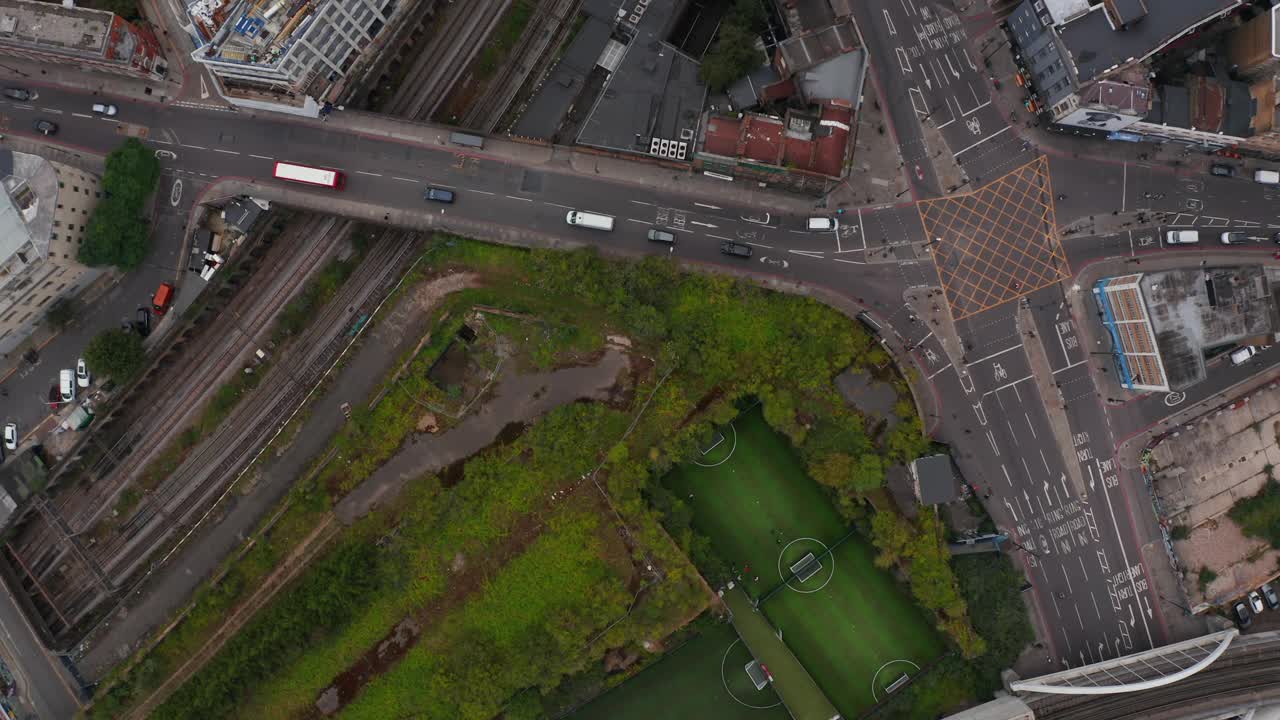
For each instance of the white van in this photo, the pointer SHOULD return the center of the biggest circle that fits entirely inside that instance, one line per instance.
(823, 223)
(1267, 177)
(1240, 356)
(67, 385)
(595, 221)
(1181, 237)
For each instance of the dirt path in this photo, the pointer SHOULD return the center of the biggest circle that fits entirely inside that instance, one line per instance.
(306, 551)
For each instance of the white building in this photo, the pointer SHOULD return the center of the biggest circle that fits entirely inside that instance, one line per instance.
(297, 51)
(44, 209)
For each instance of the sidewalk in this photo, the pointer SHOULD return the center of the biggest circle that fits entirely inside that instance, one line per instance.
(39, 75)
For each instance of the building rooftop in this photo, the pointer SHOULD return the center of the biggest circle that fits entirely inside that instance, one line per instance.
(1042, 53)
(749, 90)
(936, 481)
(1133, 342)
(839, 78)
(92, 35)
(801, 52)
(1193, 311)
(1099, 43)
(1121, 97)
(654, 95)
(1206, 104)
(801, 141)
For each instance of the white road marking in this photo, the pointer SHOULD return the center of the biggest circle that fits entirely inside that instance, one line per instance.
(1030, 427)
(992, 135)
(1124, 555)
(889, 21)
(404, 179)
(1074, 364)
(709, 207)
(851, 262)
(767, 247)
(642, 222)
(82, 115)
(719, 237)
(225, 152)
(641, 202)
(806, 253)
(195, 147)
(1006, 475)
(993, 355)
(362, 172)
(51, 111)
(262, 157)
(482, 192)
(512, 197)
(566, 207)
(1124, 190)
(1086, 574)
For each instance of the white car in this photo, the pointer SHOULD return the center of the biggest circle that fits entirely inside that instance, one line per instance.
(1240, 356)
(83, 378)
(104, 109)
(11, 436)
(1255, 601)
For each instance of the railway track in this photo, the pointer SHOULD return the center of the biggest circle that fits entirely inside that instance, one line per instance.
(48, 546)
(548, 26)
(443, 61)
(205, 476)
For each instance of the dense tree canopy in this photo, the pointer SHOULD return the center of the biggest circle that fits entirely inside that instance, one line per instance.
(117, 232)
(117, 354)
(735, 53)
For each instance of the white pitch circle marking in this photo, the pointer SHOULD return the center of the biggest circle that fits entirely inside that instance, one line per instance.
(782, 576)
(725, 681)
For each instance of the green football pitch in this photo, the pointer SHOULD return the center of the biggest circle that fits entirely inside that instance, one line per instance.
(850, 624)
(704, 678)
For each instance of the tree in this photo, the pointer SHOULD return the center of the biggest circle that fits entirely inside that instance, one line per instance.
(845, 473)
(891, 536)
(733, 56)
(117, 231)
(117, 354)
(1259, 516)
(61, 313)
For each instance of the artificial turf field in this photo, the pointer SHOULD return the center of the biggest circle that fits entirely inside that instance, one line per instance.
(762, 512)
(687, 683)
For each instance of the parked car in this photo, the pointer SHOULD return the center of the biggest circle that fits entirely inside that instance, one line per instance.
(1255, 602)
(1269, 595)
(143, 324)
(105, 109)
(46, 127)
(662, 236)
(66, 385)
(1243, 618)
(1240, 356)
(1233, 238)
(11, 436)
(82, 374)
(1222, 170)
(440, 195)
(18, 94)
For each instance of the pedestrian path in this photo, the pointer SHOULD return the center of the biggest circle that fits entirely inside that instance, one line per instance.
(794, 685)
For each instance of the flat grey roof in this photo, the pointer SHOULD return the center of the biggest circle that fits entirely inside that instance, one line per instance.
(542, 117)
(936, 479)
(655, 92)
(1187, 322)
(839, 78)
(1097, 48)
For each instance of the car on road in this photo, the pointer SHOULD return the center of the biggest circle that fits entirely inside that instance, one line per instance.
(1269, 595)
(662, 236)
(1181, 237)
(11, 436)
(105, 109)
(440, 195)
(822, 224)
(46, 127)
(1255, 602)
(1222, 170)
(1267, 177)
(67, 385)
(1233, 238)
(143, 323)
(1240, 356)
(1243, 619)
(18, 94)
(82, 374)
(728, 247)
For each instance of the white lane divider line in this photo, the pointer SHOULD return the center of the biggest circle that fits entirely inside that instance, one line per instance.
(82, 115)
(521, 199)
(225, 152)
(362, 172)
(403, 179)
(262, 157)
(195, 147)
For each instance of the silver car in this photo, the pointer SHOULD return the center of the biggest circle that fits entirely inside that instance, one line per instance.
(11, 436)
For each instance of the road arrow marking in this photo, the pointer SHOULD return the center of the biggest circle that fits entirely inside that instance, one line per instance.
(1148, 604)
(1011, 510)
(1091, 479)
(695, 222)
(1046, 492)
(1131, 617)
(1027, 497)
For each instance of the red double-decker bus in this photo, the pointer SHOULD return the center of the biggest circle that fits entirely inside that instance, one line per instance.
(307, 175)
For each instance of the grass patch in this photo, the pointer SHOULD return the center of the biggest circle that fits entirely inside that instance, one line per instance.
(504, 37)
(1259, 515)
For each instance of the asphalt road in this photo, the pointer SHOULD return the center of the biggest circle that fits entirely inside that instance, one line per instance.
(993, 410)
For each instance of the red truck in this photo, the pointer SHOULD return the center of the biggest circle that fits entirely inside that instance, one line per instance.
(163, 299)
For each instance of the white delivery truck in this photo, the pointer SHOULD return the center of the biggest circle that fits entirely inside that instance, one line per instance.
(1181, 237)
(1267, 177)
(595, 221)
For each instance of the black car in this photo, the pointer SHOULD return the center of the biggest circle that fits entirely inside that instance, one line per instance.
(440, 195)
(1222, 170)
(144, 321)
(18, 94)
(44, 127)
(729, 247)
(1243, 618)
